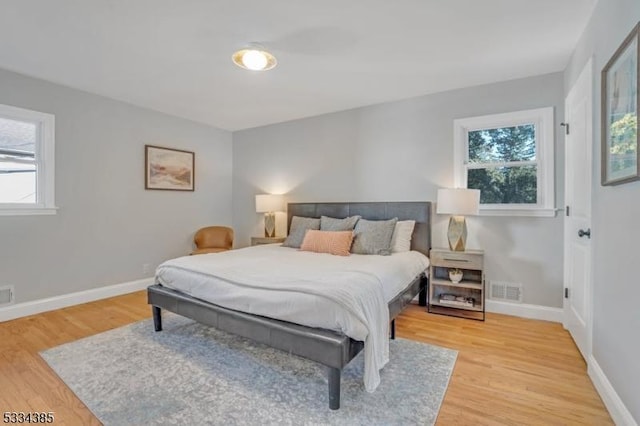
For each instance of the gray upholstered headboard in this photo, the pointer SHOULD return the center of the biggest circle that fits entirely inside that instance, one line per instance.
(419, 211)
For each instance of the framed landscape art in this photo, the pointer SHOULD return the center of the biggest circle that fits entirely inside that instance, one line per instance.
(169, 169)
(620, 113)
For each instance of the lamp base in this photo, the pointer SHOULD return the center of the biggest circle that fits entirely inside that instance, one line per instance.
(457, 233)
(269, 225)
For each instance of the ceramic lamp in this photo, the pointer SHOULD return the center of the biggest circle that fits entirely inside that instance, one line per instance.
(269, 204)
(459, 203)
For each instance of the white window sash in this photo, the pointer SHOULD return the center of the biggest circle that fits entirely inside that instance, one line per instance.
(509, 164)
(44, 161)
(18, 160)
(542, 119)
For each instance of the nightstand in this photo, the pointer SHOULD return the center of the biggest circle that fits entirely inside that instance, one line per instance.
(256, 241)
(465, 298)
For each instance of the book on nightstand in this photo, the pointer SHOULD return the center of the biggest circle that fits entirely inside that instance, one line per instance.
(453, 300)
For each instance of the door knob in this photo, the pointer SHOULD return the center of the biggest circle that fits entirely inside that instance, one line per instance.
(583, 233)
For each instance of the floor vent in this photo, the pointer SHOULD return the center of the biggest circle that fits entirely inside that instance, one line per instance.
(6, 295)
(501, 290)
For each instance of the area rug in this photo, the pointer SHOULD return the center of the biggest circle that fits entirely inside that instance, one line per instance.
(194, 374)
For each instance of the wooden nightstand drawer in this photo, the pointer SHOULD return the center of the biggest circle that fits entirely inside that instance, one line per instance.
(452, 259)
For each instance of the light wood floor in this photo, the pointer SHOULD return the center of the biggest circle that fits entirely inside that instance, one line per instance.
(510, 371)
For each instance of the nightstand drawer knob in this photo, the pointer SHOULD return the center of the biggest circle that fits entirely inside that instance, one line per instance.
(455, 260)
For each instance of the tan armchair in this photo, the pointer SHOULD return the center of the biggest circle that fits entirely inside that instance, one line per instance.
(213, 239)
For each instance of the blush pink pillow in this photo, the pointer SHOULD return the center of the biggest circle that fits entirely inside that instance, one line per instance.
(332, 242)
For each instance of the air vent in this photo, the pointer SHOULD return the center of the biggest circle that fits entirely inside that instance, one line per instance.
(6, 295)
(501, 290)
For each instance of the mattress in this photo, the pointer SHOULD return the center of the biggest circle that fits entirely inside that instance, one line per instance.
(394, 273)
(347, 294)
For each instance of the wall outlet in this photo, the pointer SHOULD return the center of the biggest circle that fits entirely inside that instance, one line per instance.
(146, 268)
(6, 295)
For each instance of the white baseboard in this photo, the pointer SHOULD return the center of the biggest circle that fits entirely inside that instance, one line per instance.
(525, 310)
(43, 305)
(618, 411)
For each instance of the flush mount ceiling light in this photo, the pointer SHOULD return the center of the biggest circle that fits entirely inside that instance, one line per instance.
(254, 57)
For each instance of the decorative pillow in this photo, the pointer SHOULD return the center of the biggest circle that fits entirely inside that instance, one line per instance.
(332, 242)
(401, 240)
(299, 226)
(373, 236)
(332, 224)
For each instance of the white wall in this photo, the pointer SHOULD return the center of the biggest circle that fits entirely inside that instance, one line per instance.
(108, 225)
(403, 151)
(616, 211)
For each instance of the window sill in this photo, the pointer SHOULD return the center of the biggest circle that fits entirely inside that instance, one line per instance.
(548, 212)
(27, 211)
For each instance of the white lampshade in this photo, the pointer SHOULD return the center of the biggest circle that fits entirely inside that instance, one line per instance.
(459, 201)
(266, 203)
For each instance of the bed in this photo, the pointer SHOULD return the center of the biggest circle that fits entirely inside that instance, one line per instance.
(323, 345)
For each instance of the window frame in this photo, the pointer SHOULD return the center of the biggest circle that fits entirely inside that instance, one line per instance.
(543, 121)
(44, 160)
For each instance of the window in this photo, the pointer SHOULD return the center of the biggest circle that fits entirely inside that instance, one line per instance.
(509, 158)
(26, 162)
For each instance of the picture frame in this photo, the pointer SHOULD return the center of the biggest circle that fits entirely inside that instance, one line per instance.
(619, 113)
(169, 169)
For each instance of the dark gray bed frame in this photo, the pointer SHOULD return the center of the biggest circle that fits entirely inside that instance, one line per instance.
(327, 347)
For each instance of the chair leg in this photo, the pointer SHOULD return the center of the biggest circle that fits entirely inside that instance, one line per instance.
(393, 329)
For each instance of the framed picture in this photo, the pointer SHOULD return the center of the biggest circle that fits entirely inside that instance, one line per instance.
(169, 169)
(620, 113)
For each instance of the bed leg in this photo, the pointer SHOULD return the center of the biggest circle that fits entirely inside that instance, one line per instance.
(393, 329)
(157, 318)
(334, 388)
(422, 295)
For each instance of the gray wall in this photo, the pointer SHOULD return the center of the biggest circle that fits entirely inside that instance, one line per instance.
(108, 226)
(403, 151)
(616, 210)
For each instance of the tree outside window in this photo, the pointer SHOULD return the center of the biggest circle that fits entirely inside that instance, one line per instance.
(509, 158)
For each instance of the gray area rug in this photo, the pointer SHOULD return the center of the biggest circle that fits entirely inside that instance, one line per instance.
(193, 374)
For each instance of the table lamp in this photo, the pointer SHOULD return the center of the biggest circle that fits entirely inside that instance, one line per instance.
(459, 203)
(269, 204)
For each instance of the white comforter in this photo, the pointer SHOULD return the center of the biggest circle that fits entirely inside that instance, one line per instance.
(348, 294)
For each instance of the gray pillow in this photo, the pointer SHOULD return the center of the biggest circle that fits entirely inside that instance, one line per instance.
(373, 236)
(332, 224)
(299, 227)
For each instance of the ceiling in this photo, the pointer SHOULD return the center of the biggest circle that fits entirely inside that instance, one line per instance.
(175, 56)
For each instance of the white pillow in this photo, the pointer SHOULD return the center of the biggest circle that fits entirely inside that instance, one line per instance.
(401, 239)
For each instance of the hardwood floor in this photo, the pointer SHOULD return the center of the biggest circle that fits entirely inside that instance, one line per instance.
(510, 371)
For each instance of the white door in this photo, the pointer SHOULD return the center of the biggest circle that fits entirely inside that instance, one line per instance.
(577, 221)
